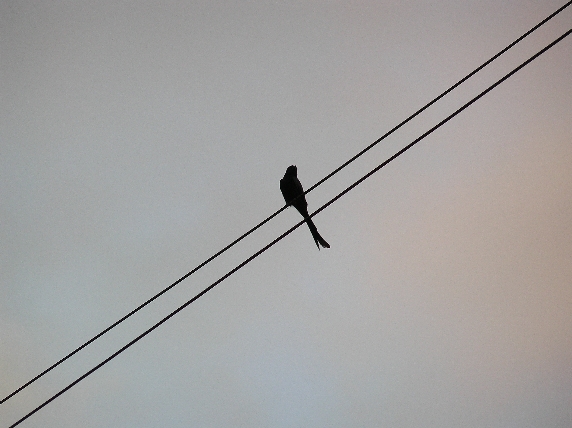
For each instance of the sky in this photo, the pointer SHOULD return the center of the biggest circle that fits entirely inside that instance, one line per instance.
(138, 138)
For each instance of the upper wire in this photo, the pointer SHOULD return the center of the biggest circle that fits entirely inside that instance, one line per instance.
(327, 204)
(115, 324)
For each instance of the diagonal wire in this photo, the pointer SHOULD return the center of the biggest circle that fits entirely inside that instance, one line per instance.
(115, 324)
(331, 201)
(472, 73)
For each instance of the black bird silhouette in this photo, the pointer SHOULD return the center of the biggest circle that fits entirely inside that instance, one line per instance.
(294, 195)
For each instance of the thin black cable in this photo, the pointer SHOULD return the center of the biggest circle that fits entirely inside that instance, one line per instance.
(331, 201)
(476, 70)
(94, 338)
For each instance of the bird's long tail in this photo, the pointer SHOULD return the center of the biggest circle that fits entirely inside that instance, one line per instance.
(317, 237)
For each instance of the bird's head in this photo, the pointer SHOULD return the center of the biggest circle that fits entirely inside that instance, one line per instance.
(292, 170)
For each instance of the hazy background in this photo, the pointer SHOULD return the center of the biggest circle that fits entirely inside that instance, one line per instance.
(138, 138)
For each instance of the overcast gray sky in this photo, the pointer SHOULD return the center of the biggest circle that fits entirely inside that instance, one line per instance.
(138, 138)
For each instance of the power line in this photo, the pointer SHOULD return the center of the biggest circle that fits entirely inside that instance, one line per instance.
(472, 73)
(115, 324)
(331, 201)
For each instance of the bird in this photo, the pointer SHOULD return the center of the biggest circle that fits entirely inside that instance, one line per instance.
(293, 193)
